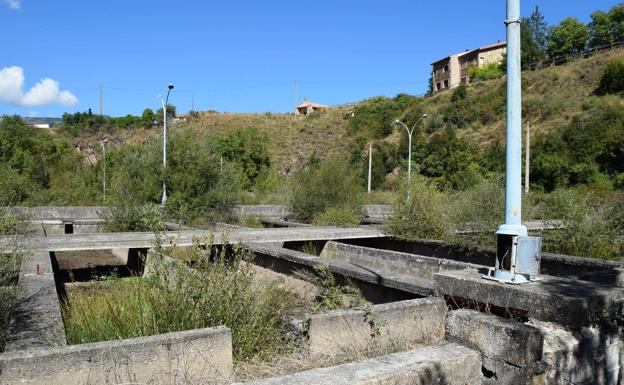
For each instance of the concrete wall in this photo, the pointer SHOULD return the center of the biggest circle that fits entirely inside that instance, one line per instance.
(511, 351)
(587, 269)
(391, 261)
(62, 212)
(592, 355)
(173, 358)
(395, 324)
(447, 364)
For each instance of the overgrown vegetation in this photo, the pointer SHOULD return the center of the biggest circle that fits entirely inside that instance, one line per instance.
(327, 191)
(219, 289)
(591, 217)
(10, 265)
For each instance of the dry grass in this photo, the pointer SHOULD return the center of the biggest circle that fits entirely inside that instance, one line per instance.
(551, 96)
(292, 140)
(300, 361)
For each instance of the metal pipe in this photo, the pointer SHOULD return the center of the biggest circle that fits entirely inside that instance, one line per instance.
(513, 168)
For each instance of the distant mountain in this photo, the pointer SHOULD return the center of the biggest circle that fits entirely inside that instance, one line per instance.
(43, 120)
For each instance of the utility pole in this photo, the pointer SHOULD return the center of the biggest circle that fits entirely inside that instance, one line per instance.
(527, 157)
(192, 103)
(370, 165)
(100, 99)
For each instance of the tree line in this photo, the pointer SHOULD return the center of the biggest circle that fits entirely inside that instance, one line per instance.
(541, 41)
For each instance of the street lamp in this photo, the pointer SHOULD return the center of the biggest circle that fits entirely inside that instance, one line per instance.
(164, 106)
(409, 148)
(104, 167)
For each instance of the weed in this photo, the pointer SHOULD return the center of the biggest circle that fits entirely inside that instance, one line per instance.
(219, 289)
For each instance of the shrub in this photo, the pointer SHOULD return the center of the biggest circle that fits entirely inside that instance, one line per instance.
(135, 217)
(588, 231)
(425, 214)
(332, 183)
(487, 72)
(612, 80)
(336, 216)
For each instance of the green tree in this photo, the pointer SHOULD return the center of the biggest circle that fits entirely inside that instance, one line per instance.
(248, 149)
(171, 113)
(148, 117)
(569, 36)
(616, 14)
(601, 31)
(534, 38)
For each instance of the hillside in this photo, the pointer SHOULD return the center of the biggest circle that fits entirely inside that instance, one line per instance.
(551, 98)
(293, 140)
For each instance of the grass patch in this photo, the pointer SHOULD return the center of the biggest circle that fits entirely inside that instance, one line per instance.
(175, 297)
(10, 265)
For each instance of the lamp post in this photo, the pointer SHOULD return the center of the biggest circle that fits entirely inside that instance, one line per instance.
(410, 132)
(104, 168)
(164, 106)
(518, 256)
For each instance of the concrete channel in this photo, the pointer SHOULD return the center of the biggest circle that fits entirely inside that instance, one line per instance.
(563, 329)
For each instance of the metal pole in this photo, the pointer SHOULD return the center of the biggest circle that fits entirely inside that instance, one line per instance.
(409, 157)
(165, 103)
(527, 157)
(164, 107)
(513, 178)
(104, 169)
(370, 165)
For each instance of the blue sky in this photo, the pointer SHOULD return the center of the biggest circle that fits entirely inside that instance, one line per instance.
(234, 55)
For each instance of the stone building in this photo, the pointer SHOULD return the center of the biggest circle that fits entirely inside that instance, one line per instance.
(307, 107)
(453, 70)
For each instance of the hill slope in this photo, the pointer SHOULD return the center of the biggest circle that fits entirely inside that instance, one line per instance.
(551, 98)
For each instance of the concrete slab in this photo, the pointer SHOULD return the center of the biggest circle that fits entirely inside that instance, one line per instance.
(391, 261)
(446, 364)
(183, 238)
(287, 260)
(37, 320)
(568, 302)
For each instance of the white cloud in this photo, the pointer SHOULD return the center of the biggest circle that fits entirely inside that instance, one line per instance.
(14, 4)
(45, 92)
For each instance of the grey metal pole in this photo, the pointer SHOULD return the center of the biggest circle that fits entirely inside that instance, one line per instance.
(527, 158)
(104, 169)
(370, 165)
(165, 103)
(409, 149)
(513, 168)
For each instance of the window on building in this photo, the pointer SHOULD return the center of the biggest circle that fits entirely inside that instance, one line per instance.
(439, 86)
(446, 68)
(446, 84)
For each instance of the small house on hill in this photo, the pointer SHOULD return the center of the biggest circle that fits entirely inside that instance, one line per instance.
(307, 107)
